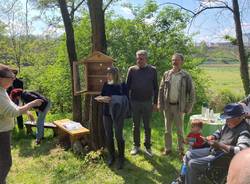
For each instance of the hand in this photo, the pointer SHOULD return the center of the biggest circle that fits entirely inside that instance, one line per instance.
(215, 144)
(210, 137)
(204, 139)
(31, 117)
(106, 99)
(37, 102)
(191, 143)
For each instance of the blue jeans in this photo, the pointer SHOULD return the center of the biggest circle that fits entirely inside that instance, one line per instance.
(40, 121)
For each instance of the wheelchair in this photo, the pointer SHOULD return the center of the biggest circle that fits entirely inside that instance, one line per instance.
(217, 170)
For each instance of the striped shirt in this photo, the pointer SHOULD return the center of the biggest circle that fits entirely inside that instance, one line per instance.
(238, 137)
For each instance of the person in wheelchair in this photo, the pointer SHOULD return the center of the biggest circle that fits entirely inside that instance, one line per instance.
(233, 137)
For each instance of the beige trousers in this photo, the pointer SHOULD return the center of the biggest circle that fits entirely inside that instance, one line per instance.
(172, 115)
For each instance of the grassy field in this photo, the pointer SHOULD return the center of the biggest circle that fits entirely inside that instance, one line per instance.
(224, 76)
(49, 163)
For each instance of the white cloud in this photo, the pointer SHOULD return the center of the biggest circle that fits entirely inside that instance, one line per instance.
(126, 12)
(213, 2)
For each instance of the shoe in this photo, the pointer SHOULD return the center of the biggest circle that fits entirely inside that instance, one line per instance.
(148, 151)
(166, 152)
(121, 158)
(38, 141)
(120, 163)
(135, 150)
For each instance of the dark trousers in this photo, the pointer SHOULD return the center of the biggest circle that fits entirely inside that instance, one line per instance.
(5, 155)
(142, 110)
(118, 127)
(20, 122)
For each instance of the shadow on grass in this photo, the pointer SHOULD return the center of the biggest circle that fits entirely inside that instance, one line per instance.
(27, 147)
(160, 171)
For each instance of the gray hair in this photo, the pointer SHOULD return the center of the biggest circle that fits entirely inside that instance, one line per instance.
(6, 71)
(143, 52)
(179, 55)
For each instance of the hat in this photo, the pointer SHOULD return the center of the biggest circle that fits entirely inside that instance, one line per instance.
(6, 72)
(232, 110)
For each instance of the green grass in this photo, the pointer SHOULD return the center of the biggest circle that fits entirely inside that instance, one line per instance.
(49, 163)
(224, 76)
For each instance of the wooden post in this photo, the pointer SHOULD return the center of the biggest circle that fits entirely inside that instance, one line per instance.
(97, 134)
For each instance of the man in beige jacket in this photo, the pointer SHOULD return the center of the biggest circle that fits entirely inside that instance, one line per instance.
(176, 97)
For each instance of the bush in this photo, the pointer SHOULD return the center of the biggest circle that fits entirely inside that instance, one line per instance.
(224, 97)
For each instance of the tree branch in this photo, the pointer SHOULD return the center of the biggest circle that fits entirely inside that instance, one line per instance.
(181, 7)
(209, 8)
(73, 10)
(12, 5)
(107, 5)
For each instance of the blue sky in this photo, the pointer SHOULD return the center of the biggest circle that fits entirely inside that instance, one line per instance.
(209, 26)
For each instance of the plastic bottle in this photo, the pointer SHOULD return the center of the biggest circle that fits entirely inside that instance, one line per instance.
(204, 109)
(211, 115)
(183, 170)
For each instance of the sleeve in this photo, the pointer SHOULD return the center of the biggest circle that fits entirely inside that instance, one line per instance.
(156, 87)
(125, 89)
(191, 94)
(129, 79)
(161, 94)
(103, 93)
(243, 142)
(217, 133)
(8, 108)
(199, 141)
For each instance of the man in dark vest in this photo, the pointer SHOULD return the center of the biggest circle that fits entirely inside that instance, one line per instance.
(232, 138)
(17, 83)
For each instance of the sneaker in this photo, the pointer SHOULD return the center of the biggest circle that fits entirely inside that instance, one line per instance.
(38, 141)
(135, 150)
(148, 151)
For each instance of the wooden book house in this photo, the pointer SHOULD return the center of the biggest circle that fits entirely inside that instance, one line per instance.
(90, 74)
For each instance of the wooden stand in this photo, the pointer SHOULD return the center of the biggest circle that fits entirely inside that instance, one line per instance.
(73, 135)
(97, 135)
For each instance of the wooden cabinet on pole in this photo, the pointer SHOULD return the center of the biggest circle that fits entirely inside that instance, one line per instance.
(89, 77)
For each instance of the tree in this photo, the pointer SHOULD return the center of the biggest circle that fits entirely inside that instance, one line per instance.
(219, 4)
(72, 56)
(96, 13)
(68, 18)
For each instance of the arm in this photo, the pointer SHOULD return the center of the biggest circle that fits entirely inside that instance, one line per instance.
(156, 88)
(161, 94)
(191, 94)
(129, 80)
(28, 106)
(243, 142)
(8, 108)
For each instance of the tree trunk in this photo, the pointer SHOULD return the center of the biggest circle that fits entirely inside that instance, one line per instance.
(98, 25)
(243, 59)
(70, 42)
(98, 44)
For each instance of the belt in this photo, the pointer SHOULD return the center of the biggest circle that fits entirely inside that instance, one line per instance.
(176, 103)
